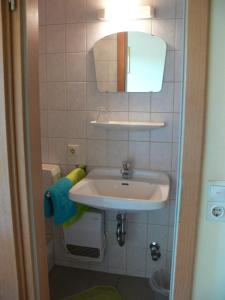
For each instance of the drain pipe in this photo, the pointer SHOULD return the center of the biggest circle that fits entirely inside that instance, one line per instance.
(121, 229)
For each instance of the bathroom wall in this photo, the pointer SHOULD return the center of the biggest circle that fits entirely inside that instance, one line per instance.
(69, 101)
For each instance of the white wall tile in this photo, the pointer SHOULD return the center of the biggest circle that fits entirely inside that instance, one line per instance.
(49, 228)
(94, 132)
(96, 152)
(55, 67)
(158, 234)
(176, 127)
(136, 235)
(166, 30)
(96, 31)
(161, 156)
(178, 66)
(75, 37)
(42, 67)
(42, 39)
(163, 100)
(180, 8)
(44, 123)
(139, 102)
(59, 249)
(117, 101)
(121, 134)
(172, 205)
(163, 134)
(58, 231)
(141, 217)
(117, 258)
(55, 38)
(57, 124)
(164, 9)
(80, 157)
(139, 154)
(95, 99)
(75, 10)
(169, 262)
(132, 25)
(91, 75)
(179, 34)
(139, 135)
(92, 7)
(44, 150)
(136, 261)
(76, 124)
(117, 151)
(111, 215)
(177, 96)
(55, 11)
(66, 169)
(43, 96)
(42, 12)
(153, 266)
(159, 216)
(75, 67)
(169, 66)
(57, 151)
(76, 95)
(56, 93)
(170, 238)
(110, 230)
(175, 157)
(173, 185)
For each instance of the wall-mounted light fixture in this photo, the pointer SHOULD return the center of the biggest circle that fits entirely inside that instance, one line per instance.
(125, 12)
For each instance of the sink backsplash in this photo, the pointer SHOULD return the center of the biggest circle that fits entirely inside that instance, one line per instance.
(69, 100)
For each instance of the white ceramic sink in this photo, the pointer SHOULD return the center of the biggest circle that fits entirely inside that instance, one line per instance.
(105, 188)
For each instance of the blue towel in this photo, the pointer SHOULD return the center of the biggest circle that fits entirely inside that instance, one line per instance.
(57, 202)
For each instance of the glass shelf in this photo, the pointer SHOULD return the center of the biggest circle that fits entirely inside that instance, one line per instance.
(128, 124)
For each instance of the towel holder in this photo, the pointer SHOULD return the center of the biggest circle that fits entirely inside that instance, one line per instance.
(48, 195)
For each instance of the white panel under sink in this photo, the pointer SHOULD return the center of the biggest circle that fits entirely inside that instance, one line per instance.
(88, 232)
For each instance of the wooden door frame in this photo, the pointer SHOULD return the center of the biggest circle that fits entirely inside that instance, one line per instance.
(193, 145)
(27, 277)
(20, 130)
(9, 281)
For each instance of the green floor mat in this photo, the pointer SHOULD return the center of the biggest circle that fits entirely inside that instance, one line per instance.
(97, 293)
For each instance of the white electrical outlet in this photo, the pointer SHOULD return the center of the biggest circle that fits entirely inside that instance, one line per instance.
(216, 201)
(216, 212)
(73, 149)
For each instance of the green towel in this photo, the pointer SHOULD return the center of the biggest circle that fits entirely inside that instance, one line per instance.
(81, 209)
(97, 293)
(57, 202)
(75, 176)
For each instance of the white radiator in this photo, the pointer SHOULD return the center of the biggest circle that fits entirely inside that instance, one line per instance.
(85, 240)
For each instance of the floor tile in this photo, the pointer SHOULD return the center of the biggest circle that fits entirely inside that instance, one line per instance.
(66, 281)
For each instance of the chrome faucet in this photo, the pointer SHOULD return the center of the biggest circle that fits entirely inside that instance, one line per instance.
(126, 170)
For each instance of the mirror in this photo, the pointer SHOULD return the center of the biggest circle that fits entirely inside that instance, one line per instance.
(129, 62)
